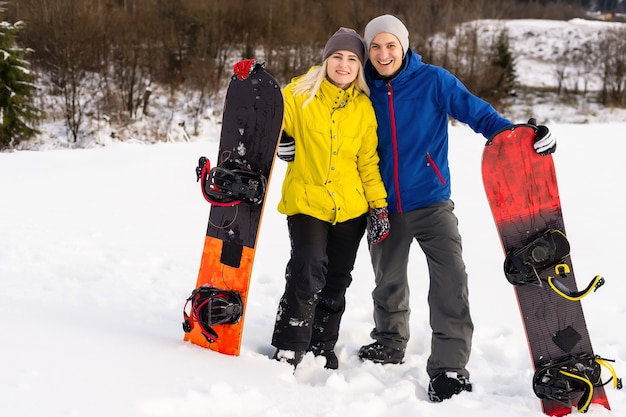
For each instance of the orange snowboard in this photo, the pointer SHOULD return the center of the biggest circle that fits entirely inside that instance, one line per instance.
(251, 128)
(214, 273)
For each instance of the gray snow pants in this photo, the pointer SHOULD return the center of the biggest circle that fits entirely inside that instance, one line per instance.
(436, 230)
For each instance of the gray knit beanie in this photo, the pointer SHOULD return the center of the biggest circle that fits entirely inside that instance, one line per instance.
(345, 40)
(388, 24)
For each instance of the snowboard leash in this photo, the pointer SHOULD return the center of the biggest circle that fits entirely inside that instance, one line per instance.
(211, 306)
(230, 184)
(564, 379)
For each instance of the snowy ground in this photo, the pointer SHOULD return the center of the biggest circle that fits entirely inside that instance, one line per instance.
(100, 247)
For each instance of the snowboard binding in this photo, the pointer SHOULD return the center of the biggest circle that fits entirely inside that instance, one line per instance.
(566, 379)
(523, 265)
(211, 306)
(230, 183)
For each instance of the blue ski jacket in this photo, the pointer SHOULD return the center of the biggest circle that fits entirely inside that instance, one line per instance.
(412, 111)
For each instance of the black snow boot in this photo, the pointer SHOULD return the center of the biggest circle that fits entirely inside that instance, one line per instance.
(445, 385)
(331, 358)
(379, 353)
(291, 357)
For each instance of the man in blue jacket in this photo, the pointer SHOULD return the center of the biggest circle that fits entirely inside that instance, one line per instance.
(413, 101)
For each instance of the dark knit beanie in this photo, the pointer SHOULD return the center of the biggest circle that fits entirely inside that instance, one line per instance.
(345, 40)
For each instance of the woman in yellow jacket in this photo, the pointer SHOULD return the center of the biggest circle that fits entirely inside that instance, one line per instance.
(332, 183)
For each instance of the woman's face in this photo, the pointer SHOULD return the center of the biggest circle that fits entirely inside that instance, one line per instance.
(342, 68)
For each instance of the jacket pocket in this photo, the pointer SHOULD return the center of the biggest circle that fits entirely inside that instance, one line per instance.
(430, 162)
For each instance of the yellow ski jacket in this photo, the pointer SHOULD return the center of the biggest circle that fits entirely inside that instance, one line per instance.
(334, 176)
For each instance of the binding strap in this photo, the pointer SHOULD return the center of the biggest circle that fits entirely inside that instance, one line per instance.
(567, 293)
(230, 184)
(211, 306)
(565, 379)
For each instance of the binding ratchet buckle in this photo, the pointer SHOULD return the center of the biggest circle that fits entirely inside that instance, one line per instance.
(231, 183)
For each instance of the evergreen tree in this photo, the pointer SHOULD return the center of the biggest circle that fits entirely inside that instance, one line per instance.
(18, 116)
(504, 61)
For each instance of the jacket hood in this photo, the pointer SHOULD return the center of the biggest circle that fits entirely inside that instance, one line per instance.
(411, 64)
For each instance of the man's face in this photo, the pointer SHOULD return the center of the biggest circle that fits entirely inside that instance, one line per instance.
(386, 54)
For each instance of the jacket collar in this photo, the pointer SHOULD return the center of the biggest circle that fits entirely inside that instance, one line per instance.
(335, 97)
(411, 63)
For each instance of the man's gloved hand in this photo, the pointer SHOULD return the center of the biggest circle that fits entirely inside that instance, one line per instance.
(545, 143)
(378, 225)
(287, 148)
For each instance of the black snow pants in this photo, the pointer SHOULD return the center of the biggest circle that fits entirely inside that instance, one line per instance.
(317, 276)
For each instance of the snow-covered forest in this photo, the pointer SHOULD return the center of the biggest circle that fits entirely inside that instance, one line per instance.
(156, 71)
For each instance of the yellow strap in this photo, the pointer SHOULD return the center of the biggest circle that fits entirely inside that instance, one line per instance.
(582, 408)
(591, 287)
(561, 269)
(611, 369)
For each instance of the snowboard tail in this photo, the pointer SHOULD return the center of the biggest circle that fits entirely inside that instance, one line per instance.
(236, 188)
(216, 274)
(523, 195)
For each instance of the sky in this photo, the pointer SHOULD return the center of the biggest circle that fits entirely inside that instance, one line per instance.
(100, 247)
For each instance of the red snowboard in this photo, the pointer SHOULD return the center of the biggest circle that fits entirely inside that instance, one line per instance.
(522, 190)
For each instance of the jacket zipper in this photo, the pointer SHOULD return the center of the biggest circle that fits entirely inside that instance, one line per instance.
(434, 166)
(394, 142)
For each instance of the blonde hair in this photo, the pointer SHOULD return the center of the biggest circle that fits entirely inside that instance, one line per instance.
(310, 82)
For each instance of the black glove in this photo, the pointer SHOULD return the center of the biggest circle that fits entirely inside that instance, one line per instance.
(287, 148)
(378, 225)
(545, 143)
